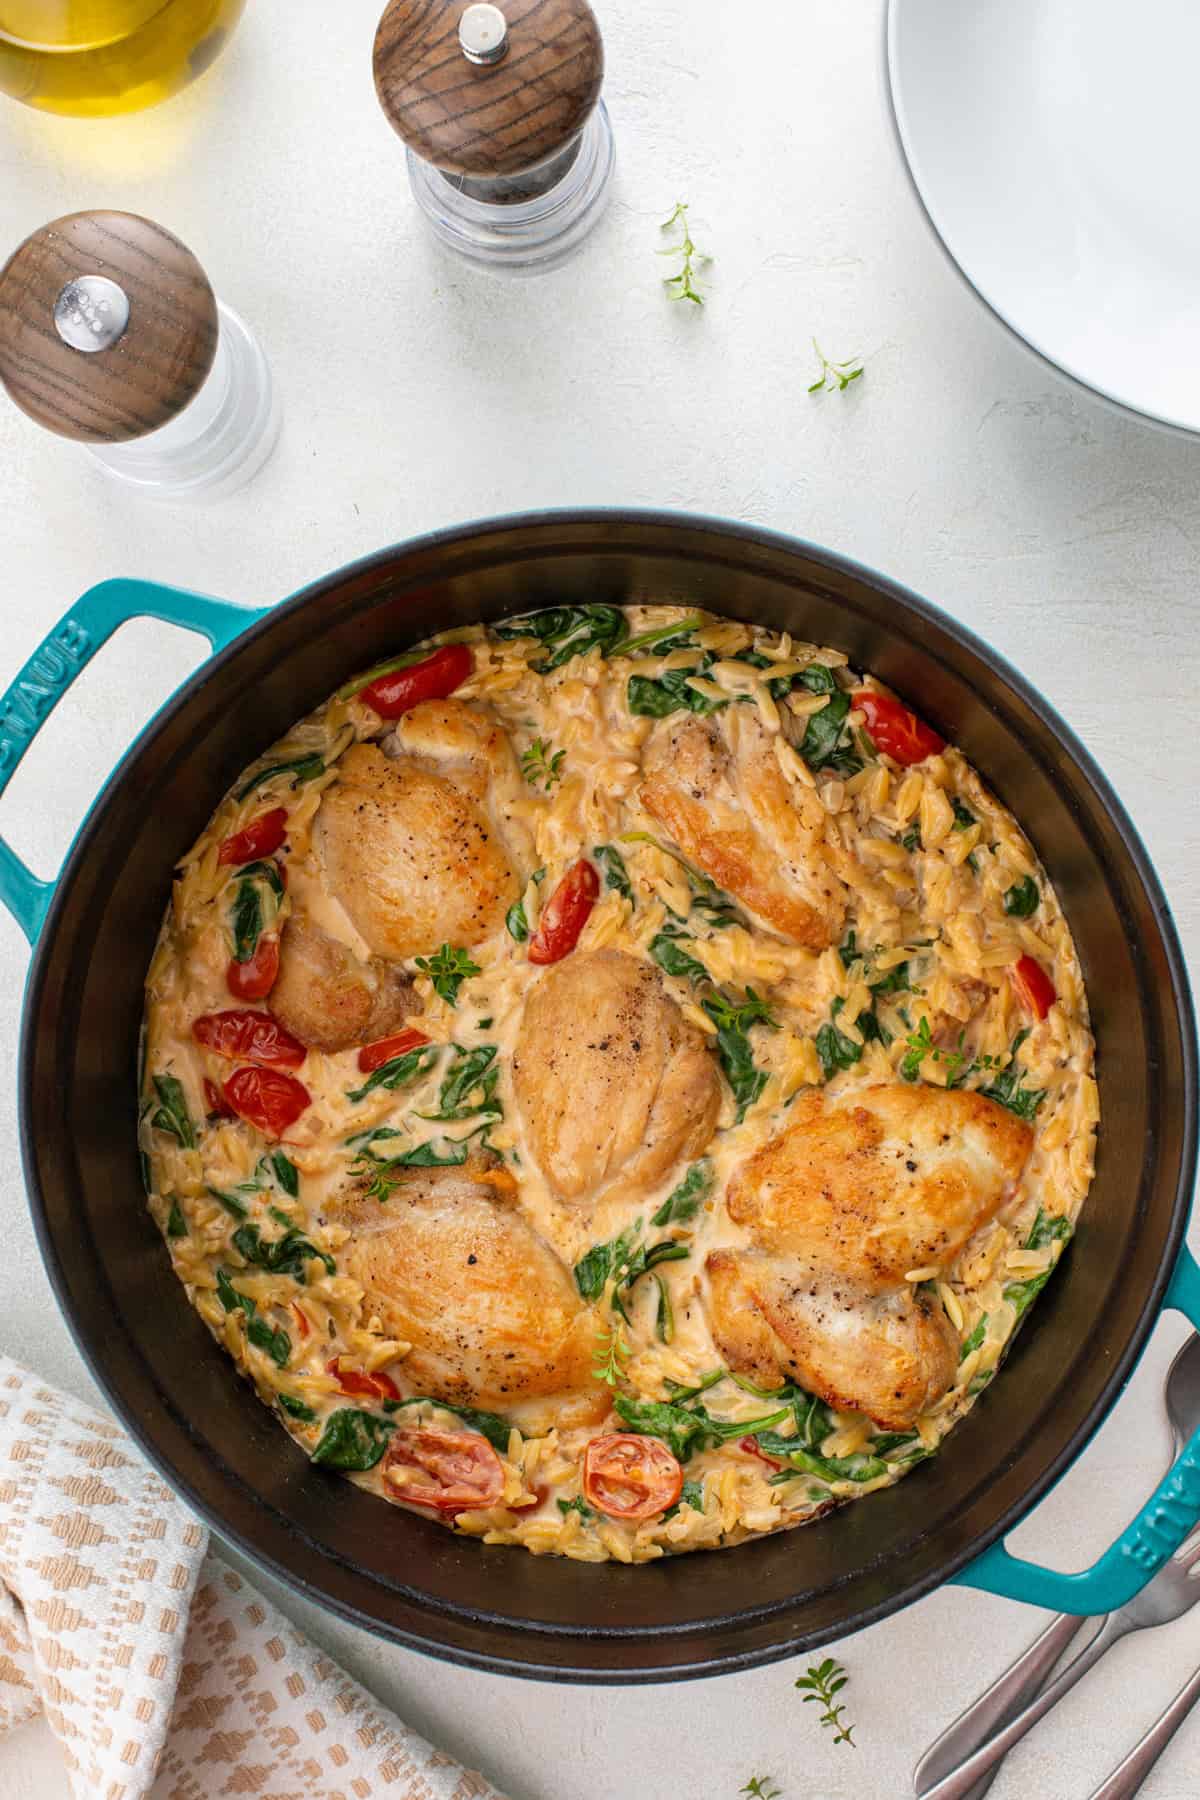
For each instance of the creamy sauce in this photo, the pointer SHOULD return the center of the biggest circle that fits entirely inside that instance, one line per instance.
(940, 908)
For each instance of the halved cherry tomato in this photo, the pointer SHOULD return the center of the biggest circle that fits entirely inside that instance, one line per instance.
(249, 1037)
(752, 1447)
(631, 1477)
(431, 679)
(215, 1103)
(565, 914)
(454, 1471)
(895, 731)
(267, 1098)
(1033, 987)
(359, 1383)
(261, 837)
(303, 1324)
(373, 1056)
(254, 979)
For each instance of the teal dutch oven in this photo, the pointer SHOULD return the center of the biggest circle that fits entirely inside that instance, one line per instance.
(92, 932)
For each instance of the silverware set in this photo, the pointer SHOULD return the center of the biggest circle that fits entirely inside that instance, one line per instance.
(965, 1759)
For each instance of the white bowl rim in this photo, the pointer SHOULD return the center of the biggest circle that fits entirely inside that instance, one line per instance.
(1117, 402)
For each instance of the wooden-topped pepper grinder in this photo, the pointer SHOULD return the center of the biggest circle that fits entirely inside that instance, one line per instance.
(510, 151)
(110, 334)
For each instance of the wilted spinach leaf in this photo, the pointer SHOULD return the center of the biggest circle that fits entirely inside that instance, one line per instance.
(685, 1201)
(352, 1439)
(567, 631)
(171, 1114)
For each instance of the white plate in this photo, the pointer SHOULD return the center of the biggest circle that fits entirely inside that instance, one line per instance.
(1056, 147)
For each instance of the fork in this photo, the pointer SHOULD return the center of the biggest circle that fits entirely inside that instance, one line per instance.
(1126, 1780)
(1173, 1590)
(1026, 1677)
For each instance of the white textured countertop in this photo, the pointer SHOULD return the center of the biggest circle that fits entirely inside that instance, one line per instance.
(417, 394)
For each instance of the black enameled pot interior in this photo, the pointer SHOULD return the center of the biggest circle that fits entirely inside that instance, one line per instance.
(393, 1572)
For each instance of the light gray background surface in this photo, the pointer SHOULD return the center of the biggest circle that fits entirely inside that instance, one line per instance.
(418, 394)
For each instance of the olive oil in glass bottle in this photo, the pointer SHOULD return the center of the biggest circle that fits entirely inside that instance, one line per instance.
(93, 57)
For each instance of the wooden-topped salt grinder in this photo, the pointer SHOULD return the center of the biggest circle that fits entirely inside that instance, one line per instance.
(110, 334)
(510, 151)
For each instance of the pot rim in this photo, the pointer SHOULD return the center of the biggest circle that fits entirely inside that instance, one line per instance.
(730, 533)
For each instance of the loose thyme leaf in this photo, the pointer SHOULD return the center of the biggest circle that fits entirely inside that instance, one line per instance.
(540, 765)
(683, 285)
(610, 1355)
(448, 968)
(759, 1787)
(833, 375)
(823, 1684)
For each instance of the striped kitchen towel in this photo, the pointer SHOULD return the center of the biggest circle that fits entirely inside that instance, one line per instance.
(161, 1671)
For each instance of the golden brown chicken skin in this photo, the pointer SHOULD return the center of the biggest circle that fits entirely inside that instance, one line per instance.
(716, 788)
(611, 1079)
(861, 1189)
(450, 1265)
(331, 999)
(415, 856)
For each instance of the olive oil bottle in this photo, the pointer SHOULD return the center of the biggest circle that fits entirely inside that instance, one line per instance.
(93, 57)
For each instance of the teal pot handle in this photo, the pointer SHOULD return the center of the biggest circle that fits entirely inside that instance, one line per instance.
(1142, 1548)
(61, 656)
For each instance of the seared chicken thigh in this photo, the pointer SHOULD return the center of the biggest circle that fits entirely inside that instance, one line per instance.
(329, 998)
(890, 1357)
(716, 787)
(610, 1077)
(450, 1265)
(417, 844)
(860, 1190)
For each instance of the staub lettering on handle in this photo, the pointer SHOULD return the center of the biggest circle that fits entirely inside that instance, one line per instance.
(41, 683)
(1169, 1518)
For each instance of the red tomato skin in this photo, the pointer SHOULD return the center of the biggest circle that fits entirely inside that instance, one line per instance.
(261, 837)
(895, 730)
(565, 914)
(451, 1488)
(663, 1487)
(301, 1317)
(249, 1037)
(1033, 987)
(752, 1447)
(215, 1101)
(373, 1056)
(267, 1098)
(434, 678)
(253, 980)
(357, 1382)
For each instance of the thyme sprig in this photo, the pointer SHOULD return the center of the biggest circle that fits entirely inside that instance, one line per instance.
(761, 1787)
(610, 1356)
(542, 765)
(835, 375)
(823, 1683)
(682, 286)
